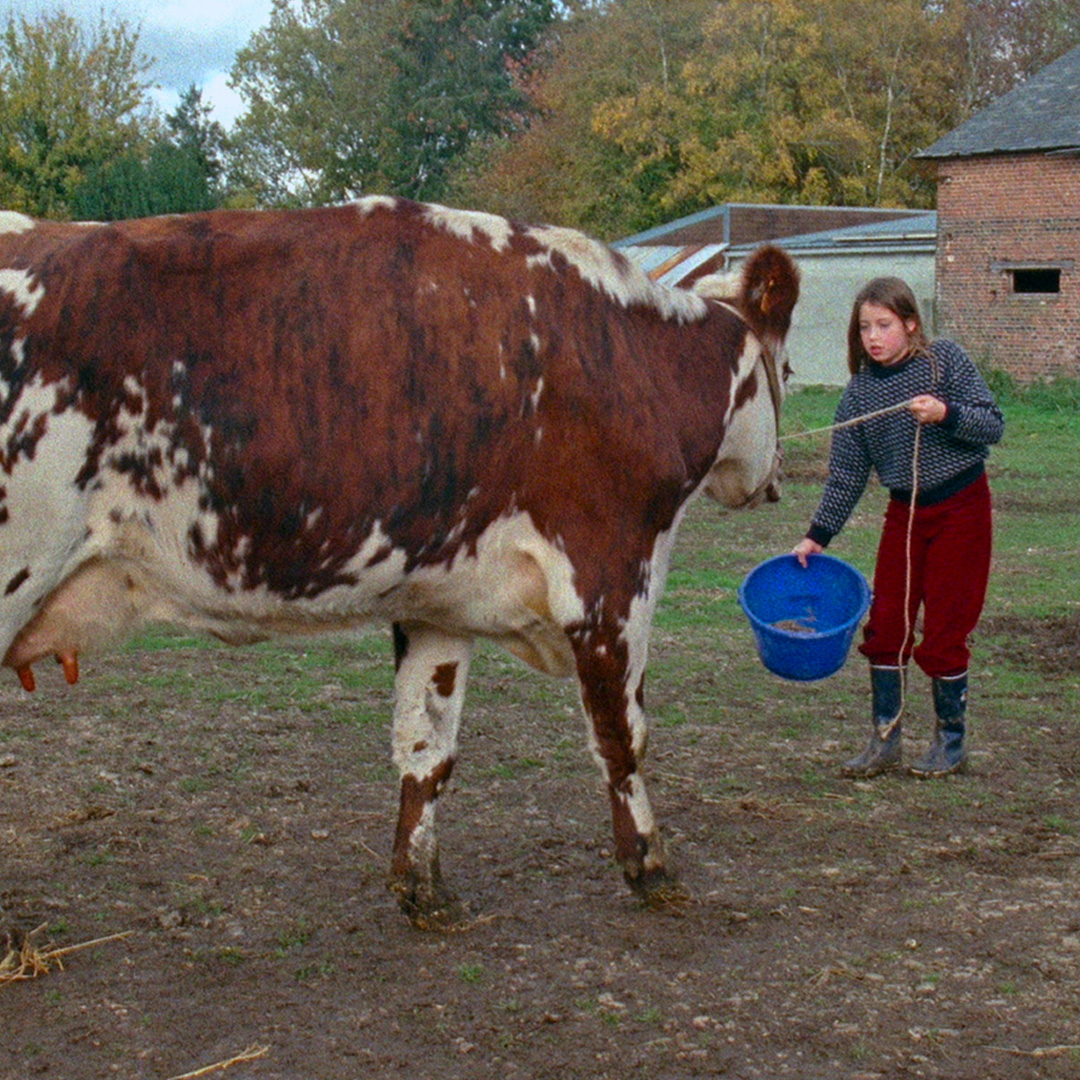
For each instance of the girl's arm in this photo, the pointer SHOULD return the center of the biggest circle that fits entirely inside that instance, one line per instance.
(971, 413)
(849, 471)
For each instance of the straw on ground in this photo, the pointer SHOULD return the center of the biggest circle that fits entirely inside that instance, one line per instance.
(29, 961)
(252, 1053)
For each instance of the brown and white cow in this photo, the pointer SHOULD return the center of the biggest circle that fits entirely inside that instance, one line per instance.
(272, 423)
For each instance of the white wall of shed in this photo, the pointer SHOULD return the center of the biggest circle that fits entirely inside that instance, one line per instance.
(817, 344)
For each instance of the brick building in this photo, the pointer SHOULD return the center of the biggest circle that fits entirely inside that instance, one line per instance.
(1007, 282)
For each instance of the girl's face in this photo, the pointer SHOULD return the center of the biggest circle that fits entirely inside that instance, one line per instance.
(885, 336)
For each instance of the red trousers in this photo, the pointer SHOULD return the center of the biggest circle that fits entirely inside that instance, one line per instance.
(950, 568)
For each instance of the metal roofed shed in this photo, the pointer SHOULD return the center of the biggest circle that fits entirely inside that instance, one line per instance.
(834, 263)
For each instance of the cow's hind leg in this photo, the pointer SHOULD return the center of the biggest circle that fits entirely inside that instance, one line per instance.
(611, 669)
(432, 668)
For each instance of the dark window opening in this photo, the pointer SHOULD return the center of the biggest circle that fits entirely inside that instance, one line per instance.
(1036, 281)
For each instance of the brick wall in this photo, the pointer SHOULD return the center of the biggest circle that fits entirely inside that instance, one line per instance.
(996, 216)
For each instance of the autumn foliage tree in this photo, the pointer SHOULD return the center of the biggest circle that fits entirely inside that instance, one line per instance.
(70, 100)
(786, 101)
(614, 115)
(562, 167)
(807, 101)
(611, 115)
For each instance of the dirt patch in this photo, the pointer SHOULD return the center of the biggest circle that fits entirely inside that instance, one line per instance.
(804, 469)
(223, 810)
(1050, 644)
(1023, 502)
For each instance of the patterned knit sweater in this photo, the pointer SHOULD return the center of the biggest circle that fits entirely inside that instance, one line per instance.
(951, 453)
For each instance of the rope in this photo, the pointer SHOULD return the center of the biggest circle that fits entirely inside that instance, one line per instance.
(848, 423)
(888, 729)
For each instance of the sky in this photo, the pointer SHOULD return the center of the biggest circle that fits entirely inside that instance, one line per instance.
(191, 41)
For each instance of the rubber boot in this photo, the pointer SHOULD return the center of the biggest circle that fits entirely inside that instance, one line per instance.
(946, 754)
(882, 752)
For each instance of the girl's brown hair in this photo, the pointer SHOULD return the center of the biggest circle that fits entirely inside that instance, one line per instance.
(896, 295)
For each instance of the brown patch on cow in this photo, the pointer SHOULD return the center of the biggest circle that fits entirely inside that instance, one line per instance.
(420, 746)
(747, 392)
(381, 555)
(445, 678)
(415, 795)
(23, 440)
(630, 846)
(604, 697)
(19, 579)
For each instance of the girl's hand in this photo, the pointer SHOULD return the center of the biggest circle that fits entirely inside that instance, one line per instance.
(928, 409)
(805, 547)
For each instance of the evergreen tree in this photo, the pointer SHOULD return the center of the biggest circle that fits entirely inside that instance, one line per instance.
(180, 173)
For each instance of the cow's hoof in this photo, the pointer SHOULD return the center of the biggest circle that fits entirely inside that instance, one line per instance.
(451, 916)
(429, 909)
(659, 890)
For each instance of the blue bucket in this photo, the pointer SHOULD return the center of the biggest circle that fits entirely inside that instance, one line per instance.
(804, 619)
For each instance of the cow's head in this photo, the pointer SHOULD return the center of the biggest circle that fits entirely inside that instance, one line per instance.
(747, 466)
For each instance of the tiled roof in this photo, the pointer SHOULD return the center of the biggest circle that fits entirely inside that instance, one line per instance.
(1040, 115)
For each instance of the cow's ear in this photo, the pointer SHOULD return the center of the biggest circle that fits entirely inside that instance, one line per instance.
(770, 289)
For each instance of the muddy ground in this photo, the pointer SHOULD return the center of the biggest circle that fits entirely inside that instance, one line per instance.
(231, 812)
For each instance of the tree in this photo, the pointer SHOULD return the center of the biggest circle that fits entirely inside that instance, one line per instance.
(180, 173)
(313, 83)
(194, 132)
(69, 102)
(655, 108)
(455, 66)
(562, 167)
(797, 101)
(1006, 41)
(350, 96)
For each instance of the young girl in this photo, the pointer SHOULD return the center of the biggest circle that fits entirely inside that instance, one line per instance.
(932, 389)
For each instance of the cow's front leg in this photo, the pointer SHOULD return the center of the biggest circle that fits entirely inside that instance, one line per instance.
(429, 690)
(611, 669)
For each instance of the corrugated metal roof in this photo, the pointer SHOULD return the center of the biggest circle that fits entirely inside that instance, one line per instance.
(673, 265)
(913, 233)
(738, 223)
(1042, 114)
(649, 236)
